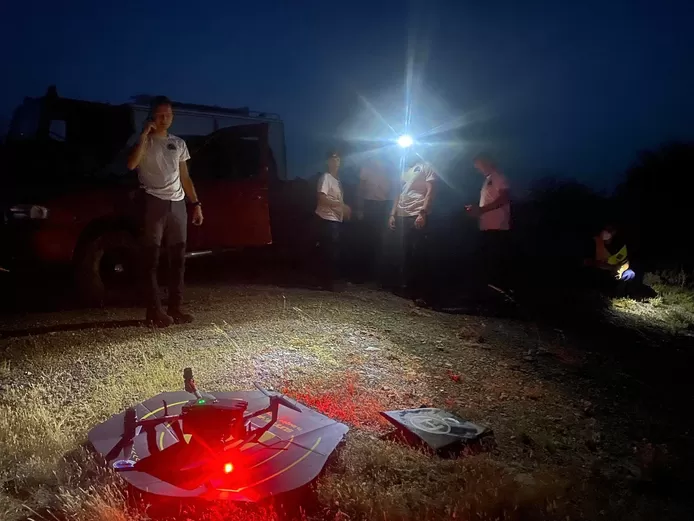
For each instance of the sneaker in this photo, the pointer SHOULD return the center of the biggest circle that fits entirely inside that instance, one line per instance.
(157, 318)
(179, 317)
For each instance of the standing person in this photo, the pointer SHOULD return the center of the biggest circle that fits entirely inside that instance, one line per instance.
(494, 214)
(374, 202)
(161, 158)
(410, 216)
(331, 211)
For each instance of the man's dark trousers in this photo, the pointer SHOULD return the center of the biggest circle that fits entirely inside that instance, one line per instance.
(497, 266)
(329, 251)
(370, 239)
(414, 268)
(165, 224)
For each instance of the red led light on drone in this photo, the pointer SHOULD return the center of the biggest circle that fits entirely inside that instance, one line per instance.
(228, 468)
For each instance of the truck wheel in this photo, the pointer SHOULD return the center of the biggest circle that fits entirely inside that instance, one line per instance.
(107, 270)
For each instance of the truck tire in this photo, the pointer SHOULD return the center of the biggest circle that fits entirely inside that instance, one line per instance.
(107, 269)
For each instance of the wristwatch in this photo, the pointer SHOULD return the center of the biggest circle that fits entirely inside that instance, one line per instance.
(196, 203)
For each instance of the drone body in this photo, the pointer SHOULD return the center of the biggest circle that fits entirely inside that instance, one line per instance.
(236, 446)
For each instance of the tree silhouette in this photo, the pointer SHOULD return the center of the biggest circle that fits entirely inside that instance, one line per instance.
(563, 210)
(655, 201)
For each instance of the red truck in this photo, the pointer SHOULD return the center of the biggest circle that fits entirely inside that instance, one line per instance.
(68, 199)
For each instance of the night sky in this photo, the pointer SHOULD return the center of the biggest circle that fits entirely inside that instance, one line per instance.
(574, 90)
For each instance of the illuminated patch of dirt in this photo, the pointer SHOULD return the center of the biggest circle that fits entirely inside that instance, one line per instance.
(346, 401)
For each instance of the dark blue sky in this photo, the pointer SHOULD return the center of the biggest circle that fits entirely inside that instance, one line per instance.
(575, 90)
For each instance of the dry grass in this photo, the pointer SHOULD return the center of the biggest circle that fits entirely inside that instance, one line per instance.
(375, 479)
(671, 309)
(349, 356)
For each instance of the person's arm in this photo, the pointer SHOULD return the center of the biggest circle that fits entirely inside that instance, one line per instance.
(187, 182)
(189, 189)
(138, 151)
(325, 200)
(361, 193)
(393, 212)
(428, 198)
(503, 199)
(621, 269)
(331, 203)
(394, 209)
(594, 260)
(396, 201)
(421, 220)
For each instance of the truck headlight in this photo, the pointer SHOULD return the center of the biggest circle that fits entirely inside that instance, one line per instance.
(28, 211)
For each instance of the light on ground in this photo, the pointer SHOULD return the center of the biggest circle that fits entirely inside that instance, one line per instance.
(405, 141)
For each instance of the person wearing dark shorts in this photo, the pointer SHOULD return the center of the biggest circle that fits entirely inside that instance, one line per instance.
(160, 158)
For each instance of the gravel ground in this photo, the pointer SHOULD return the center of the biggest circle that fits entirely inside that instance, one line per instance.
(560, 405)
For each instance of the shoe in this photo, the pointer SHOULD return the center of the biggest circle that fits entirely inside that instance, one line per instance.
(179, 317)
(157, 318)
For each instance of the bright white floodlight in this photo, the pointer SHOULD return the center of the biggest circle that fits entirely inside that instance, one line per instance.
(405, 141)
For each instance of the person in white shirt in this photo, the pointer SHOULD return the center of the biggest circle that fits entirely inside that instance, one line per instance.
(160, 159)
(331, 211)
(375, 196)
(409, 216)
(494, 215)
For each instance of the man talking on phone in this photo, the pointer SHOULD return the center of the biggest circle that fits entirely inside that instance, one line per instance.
(161, 158)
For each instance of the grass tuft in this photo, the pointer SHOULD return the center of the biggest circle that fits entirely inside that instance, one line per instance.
(414, 485)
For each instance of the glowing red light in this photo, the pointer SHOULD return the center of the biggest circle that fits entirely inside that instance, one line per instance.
(228, 468)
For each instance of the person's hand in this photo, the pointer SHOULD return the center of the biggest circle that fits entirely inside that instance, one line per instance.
(421, 221)
(149, 127)
(391, 222)
(473, 211)
(627, 275)
(346, 212)
(197, 216)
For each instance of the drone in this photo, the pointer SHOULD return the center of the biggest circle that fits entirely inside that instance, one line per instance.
(239, 446)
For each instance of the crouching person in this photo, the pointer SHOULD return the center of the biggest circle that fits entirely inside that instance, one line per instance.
(330, 211)
(611, 271)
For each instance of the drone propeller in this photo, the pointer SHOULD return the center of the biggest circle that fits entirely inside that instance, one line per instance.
(262, 389)
(278, 397)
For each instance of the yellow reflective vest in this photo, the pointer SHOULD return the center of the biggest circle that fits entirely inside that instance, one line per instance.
(613, 259)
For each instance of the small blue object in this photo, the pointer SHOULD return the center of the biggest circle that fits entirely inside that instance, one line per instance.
(628, 275)
(123, 464)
